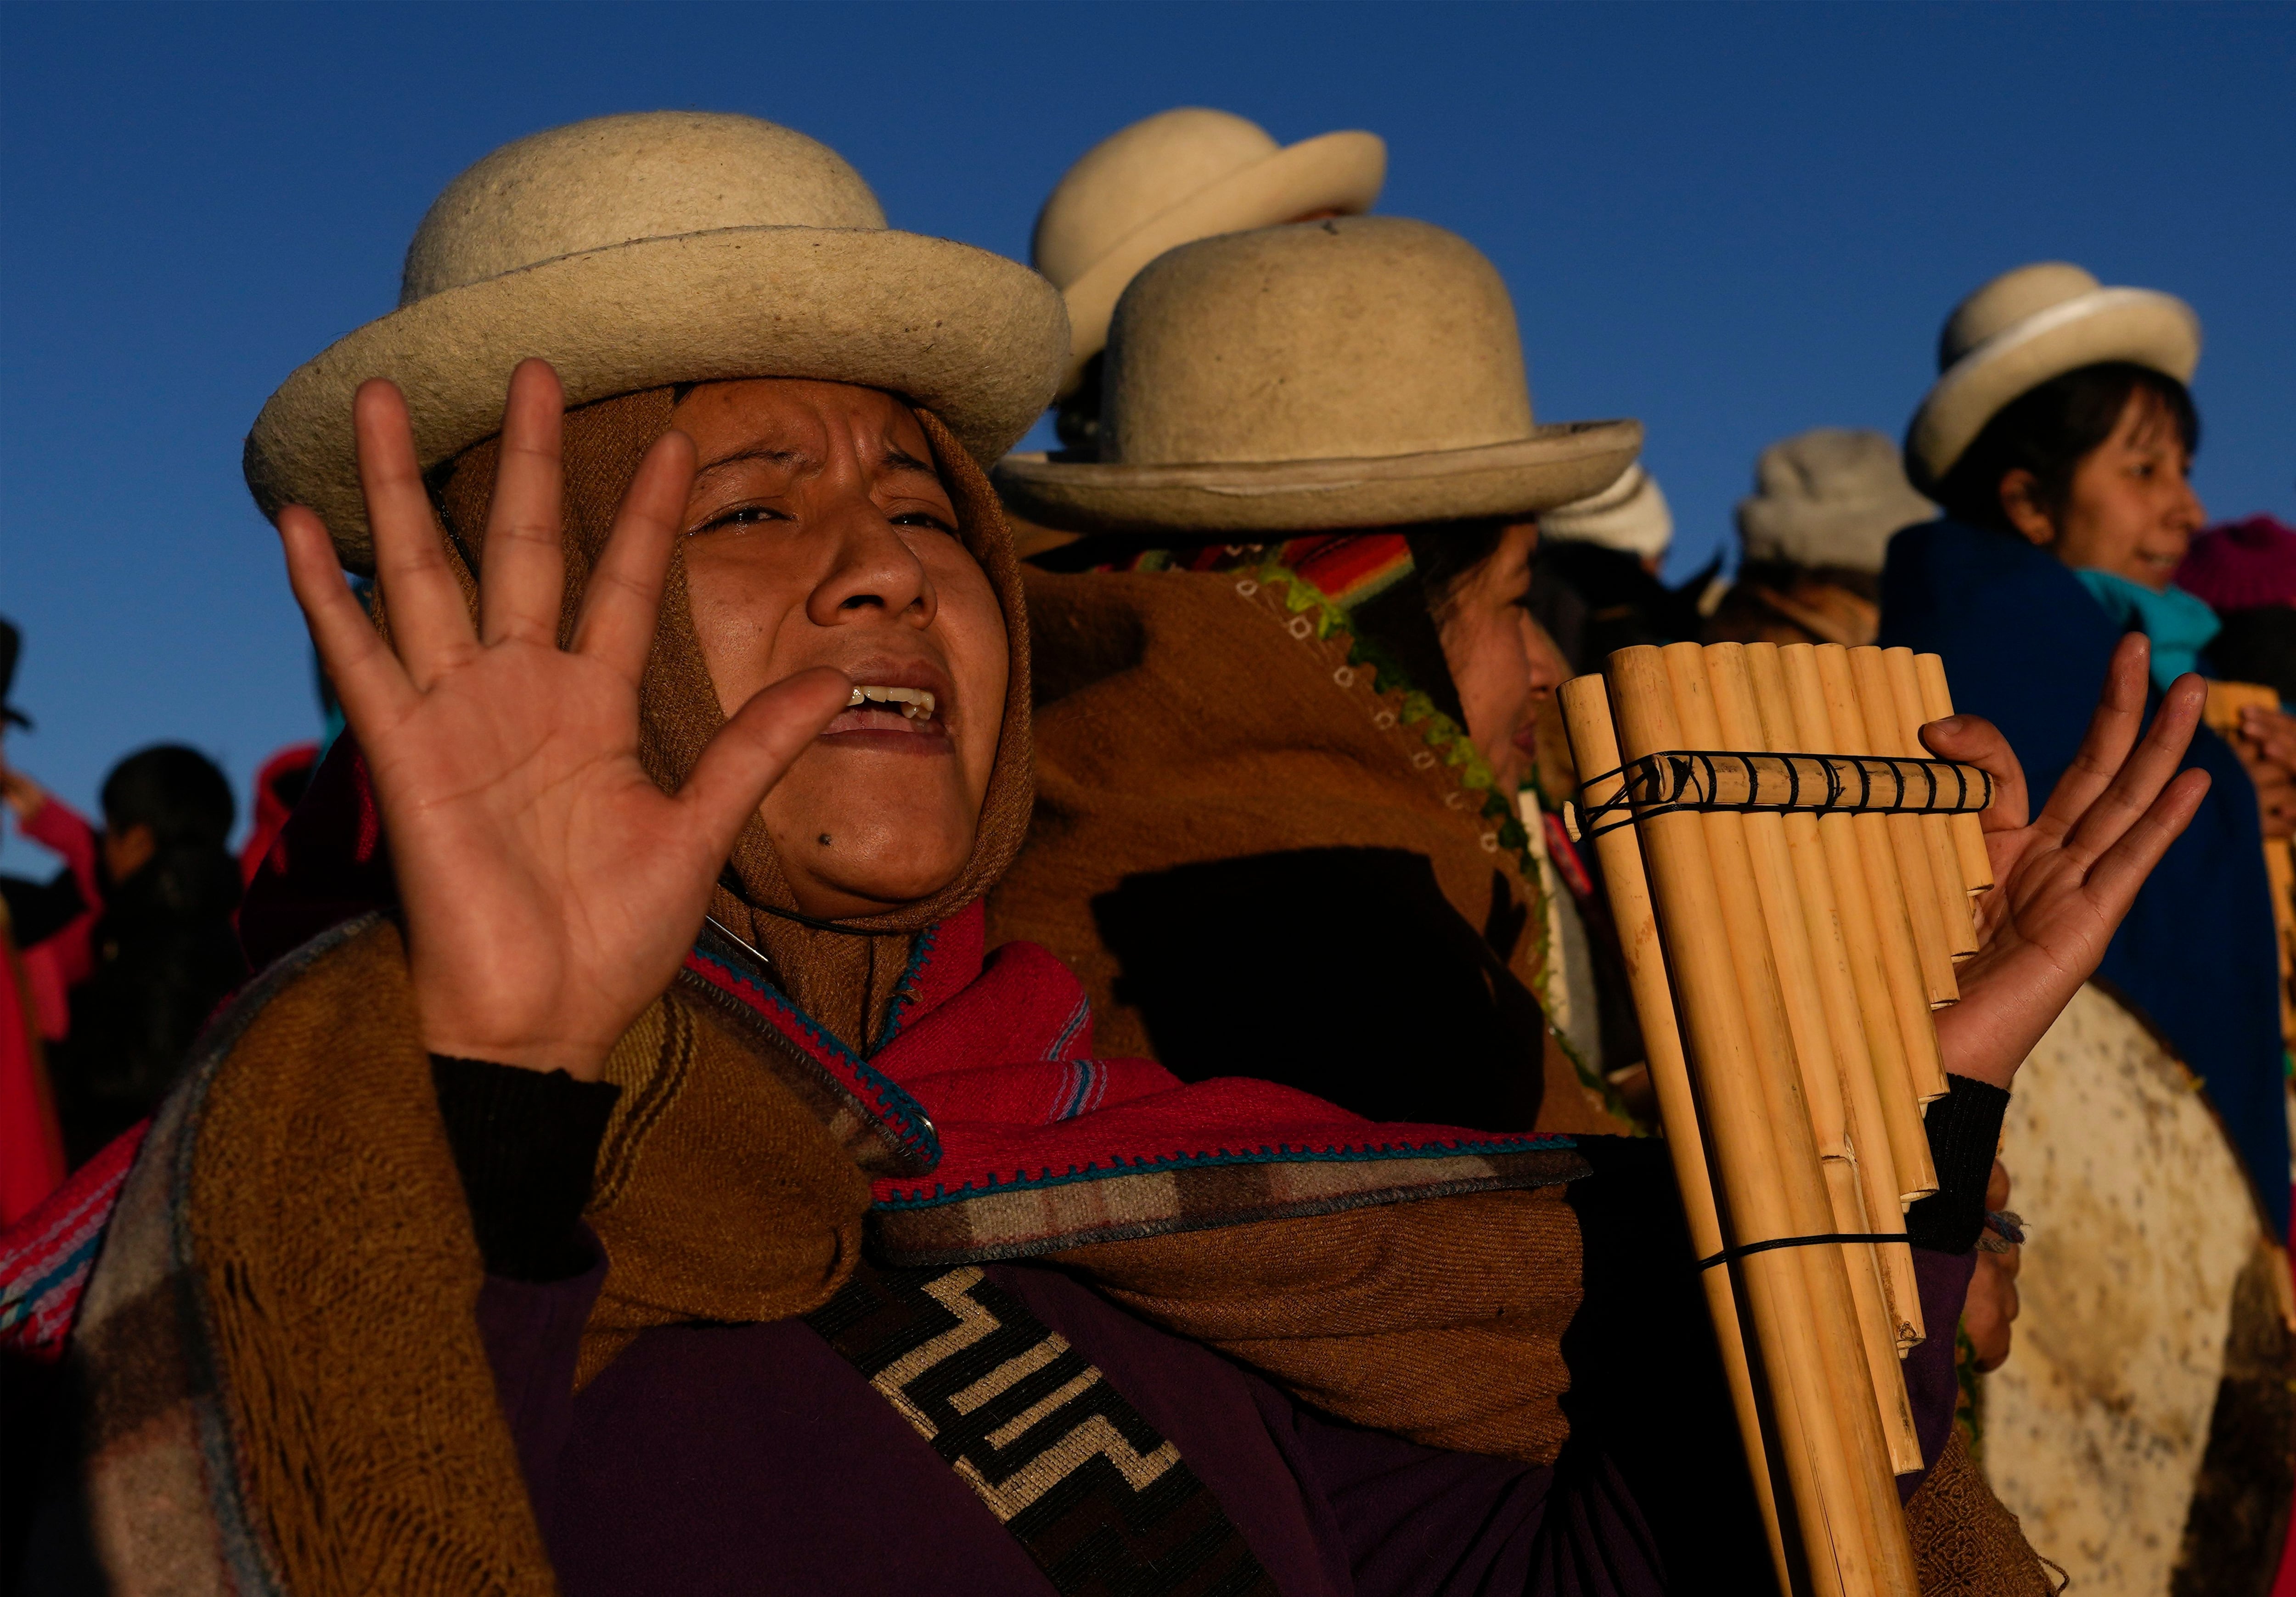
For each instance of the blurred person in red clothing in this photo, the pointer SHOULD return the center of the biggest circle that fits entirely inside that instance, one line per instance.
(31, 1146)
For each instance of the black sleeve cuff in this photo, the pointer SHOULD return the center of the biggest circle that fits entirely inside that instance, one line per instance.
(526, 1145)
(1964, 1129)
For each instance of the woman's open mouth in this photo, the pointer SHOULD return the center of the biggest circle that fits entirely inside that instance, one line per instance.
(902, 719)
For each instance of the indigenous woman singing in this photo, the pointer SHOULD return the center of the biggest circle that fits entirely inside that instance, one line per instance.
(661, 1185)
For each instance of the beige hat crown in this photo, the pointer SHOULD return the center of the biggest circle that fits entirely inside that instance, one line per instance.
(614, 180)
(632, 251)
(1358, 372)
(1175, 177)
(1631, 516)
(1831, 496)
(2025, 327)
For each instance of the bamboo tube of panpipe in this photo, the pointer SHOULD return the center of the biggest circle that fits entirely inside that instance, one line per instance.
(1878, 705)
(1795, 947)
(1880, 1193)
(1594, 747)
(1937, 837)
(1892, 917)
(1828, 1508)
(1776, 1078)
(1968, 831)
(1871, 960)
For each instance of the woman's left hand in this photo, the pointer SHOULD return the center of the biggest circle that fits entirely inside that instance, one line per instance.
(1990, 1310)
(2063, 879)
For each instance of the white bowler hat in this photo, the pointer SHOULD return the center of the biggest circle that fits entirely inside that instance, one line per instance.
(1630, 516)
(2024, 328)
(1175, 177)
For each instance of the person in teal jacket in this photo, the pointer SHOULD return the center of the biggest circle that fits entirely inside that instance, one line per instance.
(2058, 439)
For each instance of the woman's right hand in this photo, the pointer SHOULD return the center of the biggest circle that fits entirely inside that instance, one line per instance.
(550, 889)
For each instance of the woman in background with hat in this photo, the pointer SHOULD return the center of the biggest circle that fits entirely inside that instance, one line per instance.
(1812, 535)
(2129, 1431)
(2058, 438)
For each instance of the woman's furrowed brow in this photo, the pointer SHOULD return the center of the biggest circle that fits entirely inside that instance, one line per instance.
(901, 460)
(792, 459)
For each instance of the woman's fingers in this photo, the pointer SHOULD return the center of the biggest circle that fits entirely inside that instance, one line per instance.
(751, 751)
(2141, 775)
(1975, 740)
(617, 623)
(367, 677)
(2112, 731)
(429, 625)
(522, 571)
(2113, 881)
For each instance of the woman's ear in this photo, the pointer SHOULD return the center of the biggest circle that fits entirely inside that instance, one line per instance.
(2022, 506)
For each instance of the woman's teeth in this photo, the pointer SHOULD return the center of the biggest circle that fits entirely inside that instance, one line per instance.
(915, 702)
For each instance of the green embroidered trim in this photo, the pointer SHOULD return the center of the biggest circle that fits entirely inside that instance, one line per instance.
(1451, 743)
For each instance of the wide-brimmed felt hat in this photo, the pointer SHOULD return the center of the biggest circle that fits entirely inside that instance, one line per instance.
(2025, 327)
(1175, 177)
(1631, 516)
(1832, 496)
(1357, 372)
(664, 246)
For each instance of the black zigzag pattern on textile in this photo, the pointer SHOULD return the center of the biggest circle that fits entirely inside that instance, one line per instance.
(1093, 1532)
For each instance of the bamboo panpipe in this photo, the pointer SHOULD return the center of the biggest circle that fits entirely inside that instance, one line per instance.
(1968, 831)
(1795, 949)
(1880, 967)
(1773, 957)
(1830, 1517)
(1878, 705)
(1594, 747)
(1937, 835)
(1776, 1076)
(1909, 992)
(1880, 1193)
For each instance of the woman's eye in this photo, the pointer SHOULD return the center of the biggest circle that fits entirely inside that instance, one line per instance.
(741, 515)
(924, 518)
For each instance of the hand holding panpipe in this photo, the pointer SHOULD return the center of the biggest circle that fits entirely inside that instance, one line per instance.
(1776, 965)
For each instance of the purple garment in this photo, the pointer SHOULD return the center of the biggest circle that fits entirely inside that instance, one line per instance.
(734, 1459)
(1942, 1281)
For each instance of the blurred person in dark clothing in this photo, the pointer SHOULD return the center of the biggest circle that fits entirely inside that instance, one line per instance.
(1826, 504)
(1594, 587)
(163, 951)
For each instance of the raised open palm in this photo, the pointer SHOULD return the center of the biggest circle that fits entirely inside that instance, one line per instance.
(549, 887)
(2063, 879)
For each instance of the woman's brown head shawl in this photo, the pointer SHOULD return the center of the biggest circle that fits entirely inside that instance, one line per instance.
(847, 977)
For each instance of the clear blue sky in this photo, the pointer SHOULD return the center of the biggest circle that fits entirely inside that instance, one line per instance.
(1731, 221)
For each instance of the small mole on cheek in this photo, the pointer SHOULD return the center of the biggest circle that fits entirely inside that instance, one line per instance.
(825, 839)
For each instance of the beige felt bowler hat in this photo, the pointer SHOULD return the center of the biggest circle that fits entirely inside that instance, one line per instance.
(1630, 516)
(1358, 372)
(664, 246)
(1175, 177)
(2024, 328)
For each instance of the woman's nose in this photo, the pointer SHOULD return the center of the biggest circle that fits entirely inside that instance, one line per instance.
(871, 570)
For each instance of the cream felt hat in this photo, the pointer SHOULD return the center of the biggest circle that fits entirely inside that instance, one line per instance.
(1630, 516)
(1358, 372)
(631, 251)
(2024, 328)
(1831, 496)
(1175, 177)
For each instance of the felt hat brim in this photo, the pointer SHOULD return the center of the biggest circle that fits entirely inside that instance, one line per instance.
(1334, 171)
(1553, 466)
(2141, 326)
(973, 337)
